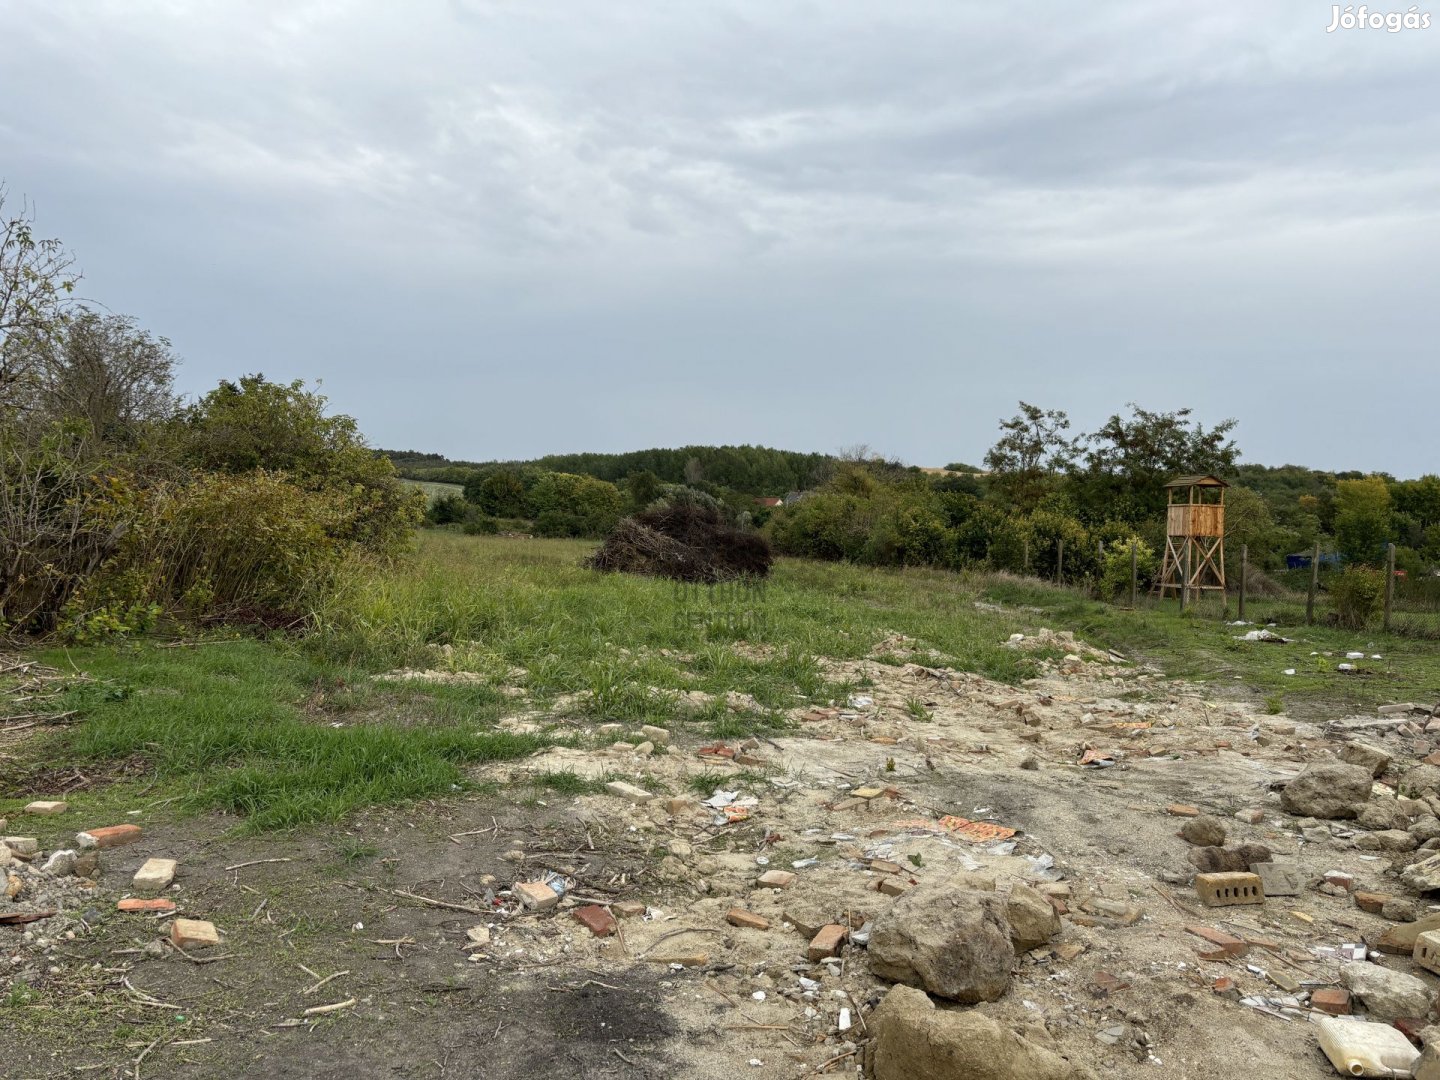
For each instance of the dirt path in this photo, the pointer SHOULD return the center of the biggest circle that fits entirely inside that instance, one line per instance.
(680, 991)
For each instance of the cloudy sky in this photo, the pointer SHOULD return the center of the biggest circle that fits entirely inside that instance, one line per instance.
(499, 229)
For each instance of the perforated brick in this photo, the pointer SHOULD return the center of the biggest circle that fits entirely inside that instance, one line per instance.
(1427, 951)
(1229, 890)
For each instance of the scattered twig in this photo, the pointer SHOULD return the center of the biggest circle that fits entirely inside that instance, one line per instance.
(676, 933)
(254, 862)
(439, 903)
(317, 1010)
(142, 1056)
(329, 978)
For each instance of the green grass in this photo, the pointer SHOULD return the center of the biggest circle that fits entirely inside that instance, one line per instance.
(288, 732)
(1199, 645)
(434, 490)
(226, 727)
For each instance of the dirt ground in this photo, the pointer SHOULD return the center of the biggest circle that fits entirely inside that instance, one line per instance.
(680, 992)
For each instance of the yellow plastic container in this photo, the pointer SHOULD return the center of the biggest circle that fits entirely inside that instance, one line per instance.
(1360, 1048)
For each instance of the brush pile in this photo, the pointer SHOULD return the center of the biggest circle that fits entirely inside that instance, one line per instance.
(685, 542)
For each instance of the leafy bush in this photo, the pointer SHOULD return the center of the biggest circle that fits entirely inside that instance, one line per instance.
(565, 504)
(1115, 572)
(1355, 594)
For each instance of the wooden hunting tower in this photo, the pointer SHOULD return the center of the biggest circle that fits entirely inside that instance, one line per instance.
(1194, 537)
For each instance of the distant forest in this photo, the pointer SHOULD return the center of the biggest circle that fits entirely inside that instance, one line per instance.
(749, 470)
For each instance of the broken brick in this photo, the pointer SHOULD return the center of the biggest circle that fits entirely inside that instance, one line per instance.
(1340, 880)
(135, 904)
(776, 879)
(628, 791)
(154, 876)
(827, 942)
(1181, 810)
(1370, 901)
(629, 909)
(1106, 984)
(1332, 1000)
(108, 837)
(746, 919)
(1223, 985)
(596, 919)
(1229, 946)
(193, 934)
(42, 806)
(891, 886)
(1251, 817)
(536, 895)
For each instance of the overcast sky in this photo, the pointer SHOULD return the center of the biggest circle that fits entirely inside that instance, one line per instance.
(500, 229)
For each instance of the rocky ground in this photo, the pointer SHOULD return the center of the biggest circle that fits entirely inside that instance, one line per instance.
(937, 877)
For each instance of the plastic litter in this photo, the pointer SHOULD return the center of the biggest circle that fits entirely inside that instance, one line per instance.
(1361, 1048)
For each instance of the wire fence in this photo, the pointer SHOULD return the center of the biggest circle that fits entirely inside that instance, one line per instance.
(1312, 593)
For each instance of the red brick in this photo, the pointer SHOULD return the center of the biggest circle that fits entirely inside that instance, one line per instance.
(136, 904)
(1370, 901)
(1340, 879)
(827, 942)
(1230, 947)
(108, 837)
(746, 919)
(1181, 810)
(596, 919)
(1223, 985)
(1411, 1027)
(1331, 1000)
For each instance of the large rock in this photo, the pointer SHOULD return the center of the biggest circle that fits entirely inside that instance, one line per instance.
(1423, 876)
(1033, 919)
(1217, 860)
(1387, 995)
(1420, 780)
(1327, 790)
(916, 1041)
(1366, 756)
(1203, 831)
(1387, 840)
(950, 941)
(1382, 814)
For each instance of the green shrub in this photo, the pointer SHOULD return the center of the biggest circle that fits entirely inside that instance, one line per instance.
(1355, 594)
(1115, 572)
(572, 505)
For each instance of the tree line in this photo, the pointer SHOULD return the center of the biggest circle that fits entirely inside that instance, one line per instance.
(121, 503)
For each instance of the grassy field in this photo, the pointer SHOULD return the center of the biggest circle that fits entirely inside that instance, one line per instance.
(434, 490)
(289, 731)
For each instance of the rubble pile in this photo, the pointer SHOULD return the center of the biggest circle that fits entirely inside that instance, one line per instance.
(1276, 868)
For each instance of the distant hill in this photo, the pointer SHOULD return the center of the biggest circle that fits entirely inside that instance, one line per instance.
(753, 470)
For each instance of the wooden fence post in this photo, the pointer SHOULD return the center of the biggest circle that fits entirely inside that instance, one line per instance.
(1244, 564)
(1314, 585)
(1026, 562)
(1389, 583)
(1134, 573)
(1060, 562)
(1185, 578)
